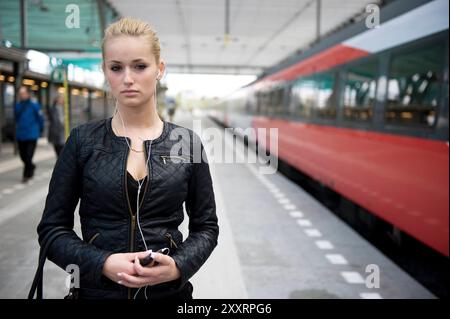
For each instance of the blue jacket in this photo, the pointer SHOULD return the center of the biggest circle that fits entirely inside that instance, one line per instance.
(29, 120)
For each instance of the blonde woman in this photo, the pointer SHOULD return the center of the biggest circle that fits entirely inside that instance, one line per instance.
(132, 173)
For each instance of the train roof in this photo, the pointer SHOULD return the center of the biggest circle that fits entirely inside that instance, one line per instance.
(349, 44)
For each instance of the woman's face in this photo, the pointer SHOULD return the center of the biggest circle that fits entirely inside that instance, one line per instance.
(60, 100)
(130, 69)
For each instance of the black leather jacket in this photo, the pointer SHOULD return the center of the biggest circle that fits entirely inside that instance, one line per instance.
(92, 167)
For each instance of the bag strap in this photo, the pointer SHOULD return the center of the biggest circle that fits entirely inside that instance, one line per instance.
(36, 286)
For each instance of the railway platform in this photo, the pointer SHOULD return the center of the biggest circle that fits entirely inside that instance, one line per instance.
(276, 240)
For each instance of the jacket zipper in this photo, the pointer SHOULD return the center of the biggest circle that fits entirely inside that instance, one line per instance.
(93, 238)
(165, 157)
(133, 216)
(172, 242)
(133, 219)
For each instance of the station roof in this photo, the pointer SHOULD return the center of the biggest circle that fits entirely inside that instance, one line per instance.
(49, 28)
(197, 36)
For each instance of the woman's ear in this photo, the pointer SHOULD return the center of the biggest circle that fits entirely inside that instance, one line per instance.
(104, 74)
(161, 70)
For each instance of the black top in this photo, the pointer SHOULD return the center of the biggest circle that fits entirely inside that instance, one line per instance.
(132, 187)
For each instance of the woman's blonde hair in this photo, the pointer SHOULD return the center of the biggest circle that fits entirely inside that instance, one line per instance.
(135, 28)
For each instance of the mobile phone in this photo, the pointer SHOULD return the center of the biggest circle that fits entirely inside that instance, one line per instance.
(149, 259)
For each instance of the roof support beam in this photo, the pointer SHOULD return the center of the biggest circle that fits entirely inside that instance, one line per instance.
(227, 17)
(23, 24)
(101, 17)
(185, 30)
(319, 19)
(296, 15)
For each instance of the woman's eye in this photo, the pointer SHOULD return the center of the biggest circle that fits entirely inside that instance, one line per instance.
(115, 68)
(141, 66)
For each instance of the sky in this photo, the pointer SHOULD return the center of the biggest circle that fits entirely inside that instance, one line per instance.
(205, 85)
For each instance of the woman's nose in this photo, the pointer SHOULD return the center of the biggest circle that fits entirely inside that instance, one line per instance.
(128, 79)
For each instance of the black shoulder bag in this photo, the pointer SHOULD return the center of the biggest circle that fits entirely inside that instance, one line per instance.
(38, 277)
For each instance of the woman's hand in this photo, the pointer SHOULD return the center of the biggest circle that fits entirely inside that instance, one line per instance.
(165, 270)
(121, 263)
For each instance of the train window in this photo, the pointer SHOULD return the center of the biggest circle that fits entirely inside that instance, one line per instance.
(251, 104)
(263, 103)
(240, 103)
(326, 106)
(304, 97)
(276, 103)
(359, 91)
(270, 104)
(413, 86)
(259, 103)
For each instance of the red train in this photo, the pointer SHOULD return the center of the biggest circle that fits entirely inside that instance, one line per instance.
(365, 112)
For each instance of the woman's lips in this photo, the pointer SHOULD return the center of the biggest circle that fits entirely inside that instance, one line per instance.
(130, 92)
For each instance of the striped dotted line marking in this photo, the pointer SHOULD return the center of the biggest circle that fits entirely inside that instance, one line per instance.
(351, 277)
(335, 259)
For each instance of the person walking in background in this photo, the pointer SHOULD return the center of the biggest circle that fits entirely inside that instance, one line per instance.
(171, 108)
(56, 130)
(29, 125)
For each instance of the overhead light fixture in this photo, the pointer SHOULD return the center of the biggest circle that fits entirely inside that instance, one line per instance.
(28, 82)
